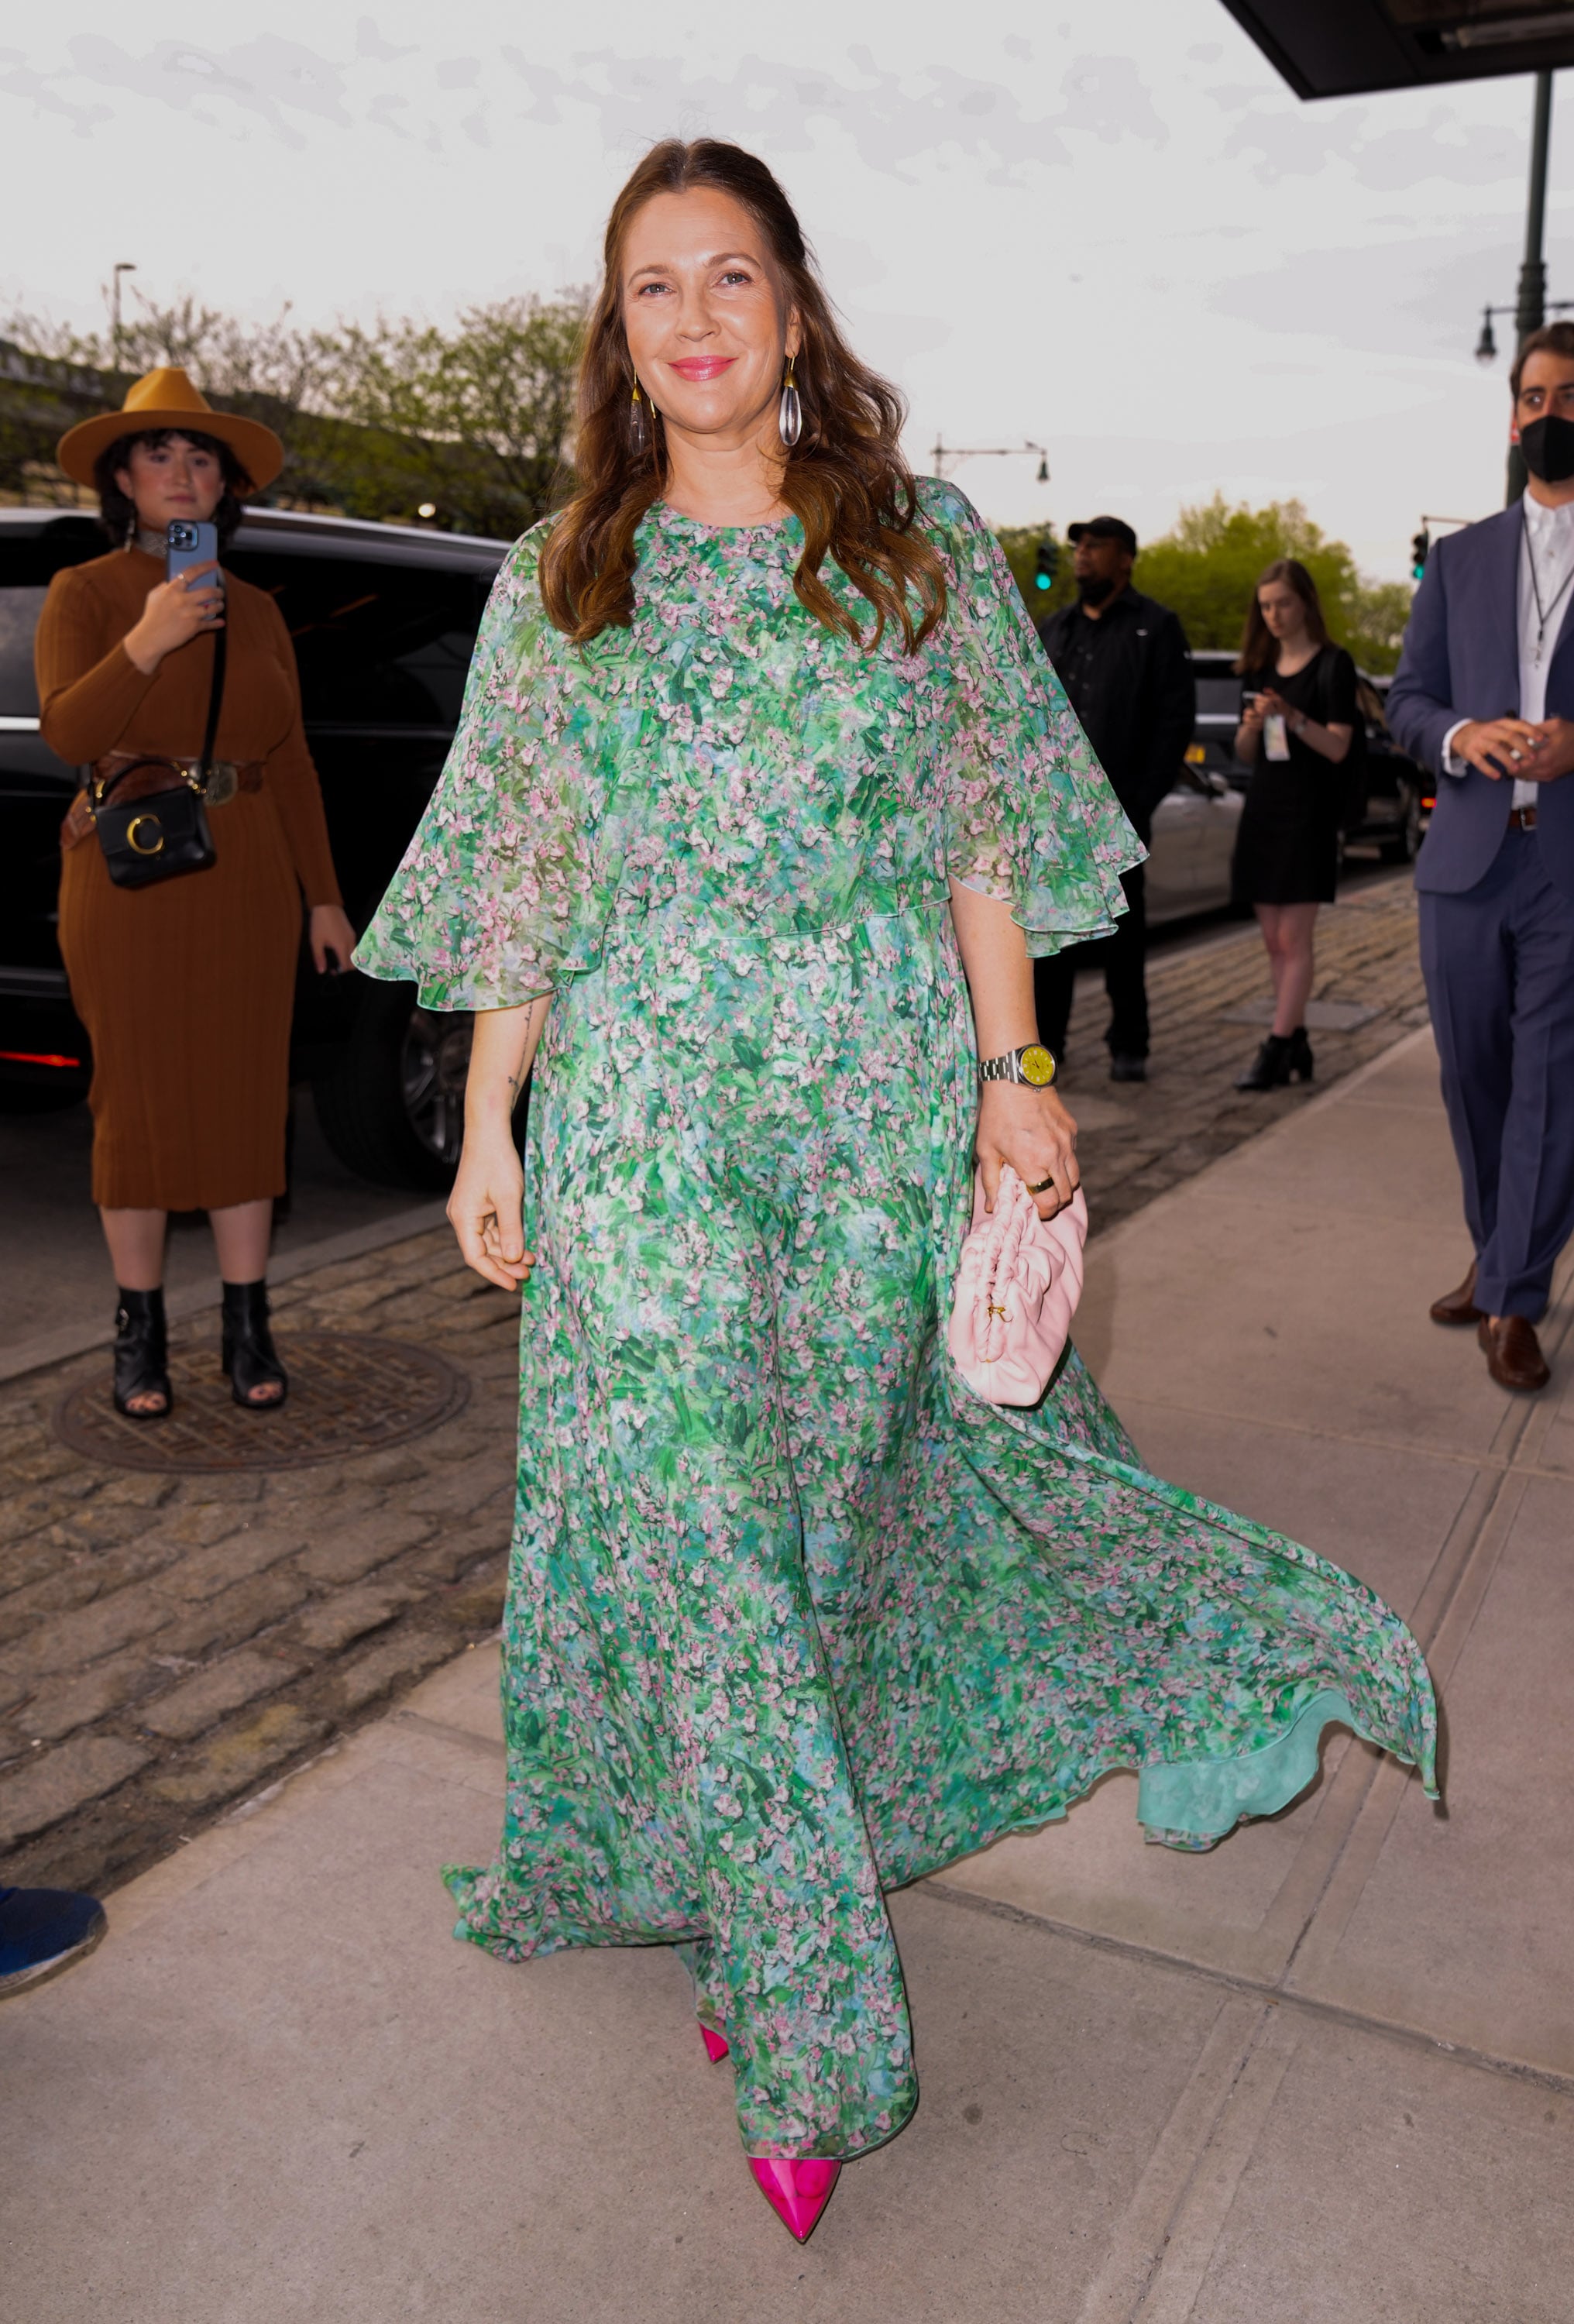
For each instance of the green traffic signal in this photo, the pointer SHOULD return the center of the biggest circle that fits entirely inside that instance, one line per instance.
(1420, 549)
(1048, 562)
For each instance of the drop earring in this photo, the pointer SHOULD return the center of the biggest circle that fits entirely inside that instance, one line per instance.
(638, 425)
(789, 418)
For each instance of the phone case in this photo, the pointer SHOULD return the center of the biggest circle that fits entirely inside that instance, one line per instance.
(179, 557)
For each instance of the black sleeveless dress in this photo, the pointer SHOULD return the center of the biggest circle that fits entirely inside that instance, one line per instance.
(1286, 849)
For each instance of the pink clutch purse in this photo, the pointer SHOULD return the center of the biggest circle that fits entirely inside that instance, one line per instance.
(1016, 1291)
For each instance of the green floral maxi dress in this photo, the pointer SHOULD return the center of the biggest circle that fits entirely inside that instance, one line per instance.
(795, 1617)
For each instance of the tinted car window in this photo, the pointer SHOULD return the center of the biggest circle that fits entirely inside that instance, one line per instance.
(377, 644)
(20, 607)
(1218, 697)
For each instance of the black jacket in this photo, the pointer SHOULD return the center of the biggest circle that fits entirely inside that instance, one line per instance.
(1137, 699)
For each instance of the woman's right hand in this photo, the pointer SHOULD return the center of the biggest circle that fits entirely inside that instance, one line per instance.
(486, 1212)
(173, 614)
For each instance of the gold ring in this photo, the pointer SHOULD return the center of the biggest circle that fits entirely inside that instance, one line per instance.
(1044, 1185)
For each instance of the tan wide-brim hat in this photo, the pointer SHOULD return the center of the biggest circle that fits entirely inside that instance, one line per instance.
(167, 399)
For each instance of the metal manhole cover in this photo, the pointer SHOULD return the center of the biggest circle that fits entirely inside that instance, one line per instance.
(1319, 1016)
(348, 1393)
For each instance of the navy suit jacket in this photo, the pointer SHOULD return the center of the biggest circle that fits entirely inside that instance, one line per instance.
(1461, 660)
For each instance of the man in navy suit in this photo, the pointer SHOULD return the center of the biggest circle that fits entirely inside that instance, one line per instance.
(1485, 696)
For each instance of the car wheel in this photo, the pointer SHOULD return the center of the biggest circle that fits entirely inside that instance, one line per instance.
(391, 1105)
(1405, 844)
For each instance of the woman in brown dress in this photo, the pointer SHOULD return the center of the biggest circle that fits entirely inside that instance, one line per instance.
(186, 986)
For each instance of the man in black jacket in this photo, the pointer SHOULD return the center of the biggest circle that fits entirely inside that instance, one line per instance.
(1127, 671)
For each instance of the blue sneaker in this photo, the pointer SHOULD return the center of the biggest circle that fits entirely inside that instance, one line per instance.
(43, 1931)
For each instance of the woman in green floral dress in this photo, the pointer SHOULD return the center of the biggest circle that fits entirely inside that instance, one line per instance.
(763, 800)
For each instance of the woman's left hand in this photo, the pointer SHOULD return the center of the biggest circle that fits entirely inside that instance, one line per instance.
(329, 932)
(1032, 1130)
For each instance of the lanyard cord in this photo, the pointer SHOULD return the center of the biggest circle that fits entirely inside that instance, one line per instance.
(1543, 613)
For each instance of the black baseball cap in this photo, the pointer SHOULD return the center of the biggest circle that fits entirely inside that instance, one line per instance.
(1105, 528)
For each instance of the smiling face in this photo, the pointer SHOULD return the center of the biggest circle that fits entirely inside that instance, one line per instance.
(1283, 612)
(707, 315)
(173, 479)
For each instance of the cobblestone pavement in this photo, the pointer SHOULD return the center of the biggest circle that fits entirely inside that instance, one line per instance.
(172, 1645)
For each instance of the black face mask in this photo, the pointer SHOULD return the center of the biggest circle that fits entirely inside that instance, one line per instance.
(1548, 445)
(1094, 592)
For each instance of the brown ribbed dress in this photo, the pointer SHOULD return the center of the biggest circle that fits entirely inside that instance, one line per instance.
(185, 987)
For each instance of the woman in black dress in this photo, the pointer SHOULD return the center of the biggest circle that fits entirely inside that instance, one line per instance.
(1297, 728)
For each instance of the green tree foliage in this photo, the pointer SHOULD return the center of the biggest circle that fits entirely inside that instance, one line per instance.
(485, 409)
(1206, 567)
(376, 422)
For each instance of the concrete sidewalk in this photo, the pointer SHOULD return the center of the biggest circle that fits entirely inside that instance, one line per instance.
(1323, 2076)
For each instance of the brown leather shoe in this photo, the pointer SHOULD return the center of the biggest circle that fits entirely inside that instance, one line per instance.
(1514, 1353)
(1458, 1307)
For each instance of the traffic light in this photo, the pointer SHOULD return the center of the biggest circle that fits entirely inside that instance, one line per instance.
(1418, 549)
(1048, 562)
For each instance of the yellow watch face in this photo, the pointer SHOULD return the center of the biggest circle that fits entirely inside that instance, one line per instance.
(1036, 1066)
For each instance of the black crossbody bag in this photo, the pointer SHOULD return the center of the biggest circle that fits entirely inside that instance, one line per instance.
(150, 830)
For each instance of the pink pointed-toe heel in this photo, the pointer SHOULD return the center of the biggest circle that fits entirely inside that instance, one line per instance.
(715, 2047)
(797, 2193)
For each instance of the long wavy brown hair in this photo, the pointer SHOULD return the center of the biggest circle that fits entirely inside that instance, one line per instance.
(1259, 648)
(845, 479)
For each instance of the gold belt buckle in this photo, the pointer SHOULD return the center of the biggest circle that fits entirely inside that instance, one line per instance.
(223, 783)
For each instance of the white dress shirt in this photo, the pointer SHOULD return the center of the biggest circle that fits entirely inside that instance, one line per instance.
(1549, 538)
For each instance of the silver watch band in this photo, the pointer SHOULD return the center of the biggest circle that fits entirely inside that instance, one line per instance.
(1008, 1068)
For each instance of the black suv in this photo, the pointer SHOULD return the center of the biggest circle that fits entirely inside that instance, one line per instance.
(383, 619)
(1398, 794)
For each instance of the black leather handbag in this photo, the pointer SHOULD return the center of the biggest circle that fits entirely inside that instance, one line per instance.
(151, 815)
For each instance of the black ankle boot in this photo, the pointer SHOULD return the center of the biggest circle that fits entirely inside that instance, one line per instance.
(1302, 1065)
(142, 1358)
(250, 1360)
(1271, 1066)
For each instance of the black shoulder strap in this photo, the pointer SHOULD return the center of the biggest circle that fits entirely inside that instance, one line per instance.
(214, 701)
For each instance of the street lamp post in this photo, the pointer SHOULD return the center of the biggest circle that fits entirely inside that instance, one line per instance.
(1531, 310)
(125, 266)
(944, 452)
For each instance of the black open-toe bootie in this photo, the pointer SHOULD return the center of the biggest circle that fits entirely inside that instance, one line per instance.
(1283, 1057)
(250, 1359)
(142, 1354)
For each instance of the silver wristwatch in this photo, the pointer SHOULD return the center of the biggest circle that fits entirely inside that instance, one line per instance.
(1031, 1064)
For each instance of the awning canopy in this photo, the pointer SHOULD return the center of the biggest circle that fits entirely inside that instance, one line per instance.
(1345, 48)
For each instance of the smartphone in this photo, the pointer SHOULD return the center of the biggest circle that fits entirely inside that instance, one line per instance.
(185, 544)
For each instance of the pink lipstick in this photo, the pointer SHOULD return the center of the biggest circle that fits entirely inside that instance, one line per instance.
(703, 366)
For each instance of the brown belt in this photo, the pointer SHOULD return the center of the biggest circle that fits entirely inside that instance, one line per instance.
(225, 777)
(1521, 818)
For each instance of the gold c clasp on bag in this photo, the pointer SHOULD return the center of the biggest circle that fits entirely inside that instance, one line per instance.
(135, 826)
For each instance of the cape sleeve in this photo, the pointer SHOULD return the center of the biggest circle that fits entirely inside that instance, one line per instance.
(1029, 814)
(503, 891)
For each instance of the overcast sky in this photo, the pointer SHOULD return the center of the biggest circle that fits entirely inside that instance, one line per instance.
(1102, 224)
